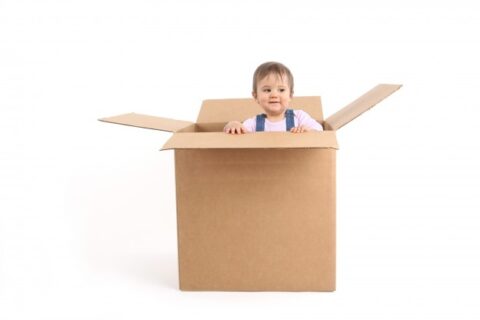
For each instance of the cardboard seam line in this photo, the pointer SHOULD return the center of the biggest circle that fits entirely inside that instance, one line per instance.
(244, 148)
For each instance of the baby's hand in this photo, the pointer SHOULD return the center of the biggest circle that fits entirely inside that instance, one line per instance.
(234, 127)
(299, 129)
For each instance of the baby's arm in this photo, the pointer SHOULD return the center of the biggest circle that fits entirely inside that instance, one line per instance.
(305, 123)
(235, 127)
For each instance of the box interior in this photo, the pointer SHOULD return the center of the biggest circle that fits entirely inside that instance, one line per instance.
(215, 113)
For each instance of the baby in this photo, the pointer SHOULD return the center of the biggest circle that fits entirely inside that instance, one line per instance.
(273, 91)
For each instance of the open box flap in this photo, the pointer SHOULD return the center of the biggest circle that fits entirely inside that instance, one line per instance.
(359, 106)
(148, 122)
(259, 140)
(225, 110)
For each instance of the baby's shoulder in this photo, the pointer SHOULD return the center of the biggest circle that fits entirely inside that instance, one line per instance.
(301, 114)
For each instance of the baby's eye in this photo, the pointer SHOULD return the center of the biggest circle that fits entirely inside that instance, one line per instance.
(282, 89)
(266, 90)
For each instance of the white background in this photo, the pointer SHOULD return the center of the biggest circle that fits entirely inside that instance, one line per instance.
(87, 209)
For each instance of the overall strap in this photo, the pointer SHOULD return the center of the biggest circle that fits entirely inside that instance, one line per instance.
(289, 118)
(260, 122)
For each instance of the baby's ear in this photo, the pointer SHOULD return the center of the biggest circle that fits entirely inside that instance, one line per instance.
(254, 95)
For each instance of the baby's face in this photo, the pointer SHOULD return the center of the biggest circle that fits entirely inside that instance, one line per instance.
(273, 94)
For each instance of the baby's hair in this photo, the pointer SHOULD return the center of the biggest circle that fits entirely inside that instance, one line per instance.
(275, 68)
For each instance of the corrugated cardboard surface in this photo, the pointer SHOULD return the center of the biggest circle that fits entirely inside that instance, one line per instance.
(259, 140)
(359, 106)
(256, 220)
(255, 212)
(148, 122)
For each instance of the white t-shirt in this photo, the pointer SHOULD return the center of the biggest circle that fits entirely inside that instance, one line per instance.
(301, 118)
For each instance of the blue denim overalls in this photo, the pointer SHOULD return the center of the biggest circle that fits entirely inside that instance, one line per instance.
(289, 117)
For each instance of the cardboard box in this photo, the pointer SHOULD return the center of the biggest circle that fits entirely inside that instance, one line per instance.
(255, 212)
